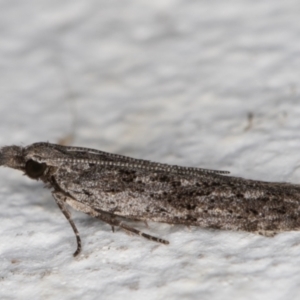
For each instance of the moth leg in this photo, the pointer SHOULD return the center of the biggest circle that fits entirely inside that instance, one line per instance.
(112, 226)
(60, 200)
(145, 235)
(104, 216)
(114, 222)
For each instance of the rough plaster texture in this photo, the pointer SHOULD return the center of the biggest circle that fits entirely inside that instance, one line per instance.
(213, 84)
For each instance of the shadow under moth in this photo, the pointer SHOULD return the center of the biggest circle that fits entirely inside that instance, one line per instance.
(114, 188)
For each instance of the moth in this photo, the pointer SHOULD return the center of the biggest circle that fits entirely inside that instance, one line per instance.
(116, 188)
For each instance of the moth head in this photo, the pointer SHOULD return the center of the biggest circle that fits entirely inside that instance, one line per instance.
(14, 157)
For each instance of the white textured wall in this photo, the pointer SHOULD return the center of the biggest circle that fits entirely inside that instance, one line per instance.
(170, 81)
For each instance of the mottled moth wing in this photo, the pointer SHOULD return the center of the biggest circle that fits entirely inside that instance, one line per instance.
(206, 200)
